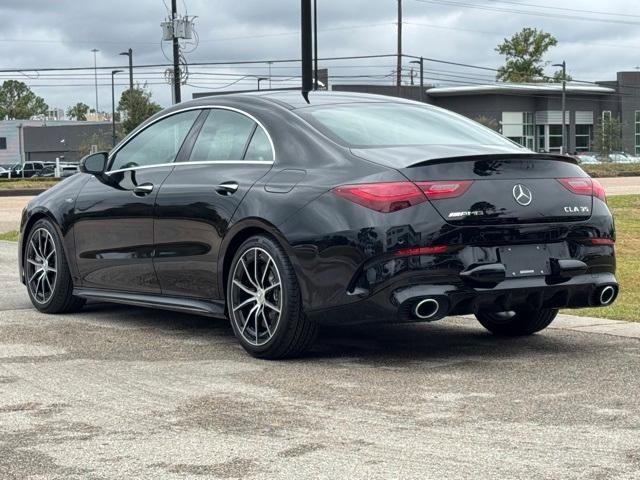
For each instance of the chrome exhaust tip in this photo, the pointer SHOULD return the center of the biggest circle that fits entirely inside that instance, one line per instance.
(607, 294)
(426, 309)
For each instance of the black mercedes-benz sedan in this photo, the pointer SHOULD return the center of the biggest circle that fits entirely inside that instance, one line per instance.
(283, 215)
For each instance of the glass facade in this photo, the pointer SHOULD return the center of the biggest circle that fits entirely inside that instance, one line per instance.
(520, 128)
(583, 137)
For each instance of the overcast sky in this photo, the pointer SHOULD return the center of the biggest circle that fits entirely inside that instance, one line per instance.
(61, 33)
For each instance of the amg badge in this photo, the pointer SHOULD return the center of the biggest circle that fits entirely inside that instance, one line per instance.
(474, 213)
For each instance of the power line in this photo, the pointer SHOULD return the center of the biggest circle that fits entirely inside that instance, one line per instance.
(548, 7)
(501, 34)
(528, 12)
(210, 40)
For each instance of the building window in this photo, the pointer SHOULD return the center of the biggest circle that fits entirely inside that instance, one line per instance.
(606, 115)
(555, 138)
(3, 143)
(583, 137)
(541, 139)
(637, 132)
(519, 127)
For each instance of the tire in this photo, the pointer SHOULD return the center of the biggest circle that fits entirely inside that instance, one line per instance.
(521, 322)
(43, 238)
(278, 327)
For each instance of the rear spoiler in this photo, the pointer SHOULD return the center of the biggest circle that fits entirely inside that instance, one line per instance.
(498, 156)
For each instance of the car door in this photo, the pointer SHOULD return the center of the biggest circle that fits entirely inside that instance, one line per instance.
(28, 170)
(113, 224)
(196, 203)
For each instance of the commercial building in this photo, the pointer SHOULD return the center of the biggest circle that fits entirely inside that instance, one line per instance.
(531, 114)
(37, 140)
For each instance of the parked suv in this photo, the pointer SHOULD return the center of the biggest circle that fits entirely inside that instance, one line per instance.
(30, 169)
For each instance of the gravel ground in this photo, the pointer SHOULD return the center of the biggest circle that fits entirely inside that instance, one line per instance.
(117, 392)
(10, 210)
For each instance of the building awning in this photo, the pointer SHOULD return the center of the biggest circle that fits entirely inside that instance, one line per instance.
(519, 89)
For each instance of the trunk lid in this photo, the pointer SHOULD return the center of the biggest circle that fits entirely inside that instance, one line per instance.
(505, 189)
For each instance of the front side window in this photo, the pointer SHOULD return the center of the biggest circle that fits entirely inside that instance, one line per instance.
(223, 137)
(158, 144)
(395, 124)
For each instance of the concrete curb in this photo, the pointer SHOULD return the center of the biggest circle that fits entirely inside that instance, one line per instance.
(618, 328)
(574, 323)
(21, 192)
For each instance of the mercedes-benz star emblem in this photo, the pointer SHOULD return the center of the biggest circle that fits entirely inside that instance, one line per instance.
(522, 195)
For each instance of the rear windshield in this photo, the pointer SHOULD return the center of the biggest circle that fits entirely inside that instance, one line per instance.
(365, 125)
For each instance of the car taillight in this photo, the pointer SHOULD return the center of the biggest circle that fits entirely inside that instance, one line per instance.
(600, 241)
(598, 190)
(421, 250)
(438, 190)
(584, 186)
(383, 197)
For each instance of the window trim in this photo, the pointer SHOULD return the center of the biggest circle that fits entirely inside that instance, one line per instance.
(135, 133)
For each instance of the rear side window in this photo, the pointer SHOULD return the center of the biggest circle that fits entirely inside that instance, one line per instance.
(224, 136)
(396, 124)
(158, 144)
(260, 147)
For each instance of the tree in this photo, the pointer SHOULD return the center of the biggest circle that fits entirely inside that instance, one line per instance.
(78, 112)
(524, 52)
(102, 142)
(491, 123)
(607, 137)
(18, 102)
(136, 106)
(557, 77)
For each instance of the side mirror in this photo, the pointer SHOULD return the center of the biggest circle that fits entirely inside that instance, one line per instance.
(95, 164)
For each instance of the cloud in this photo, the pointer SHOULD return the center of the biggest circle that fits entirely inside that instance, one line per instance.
(43, 33)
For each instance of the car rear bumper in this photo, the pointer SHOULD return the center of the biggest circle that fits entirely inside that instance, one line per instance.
(397, 302)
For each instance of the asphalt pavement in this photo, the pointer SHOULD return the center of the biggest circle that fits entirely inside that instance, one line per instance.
(119, 392)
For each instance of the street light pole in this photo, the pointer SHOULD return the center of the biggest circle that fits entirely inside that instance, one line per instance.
(129, 53)
(113, 106)
(421, 63)
(95, 74)
(564, 104)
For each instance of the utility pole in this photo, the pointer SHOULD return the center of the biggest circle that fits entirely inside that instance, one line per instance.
(315, 44)
(176, 54)
(129, 53)
(113, 107)
(95, 75)
(564, 104)
(399, 66)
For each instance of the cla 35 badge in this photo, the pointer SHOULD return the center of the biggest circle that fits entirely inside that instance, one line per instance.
(522, 195)
(576, 209)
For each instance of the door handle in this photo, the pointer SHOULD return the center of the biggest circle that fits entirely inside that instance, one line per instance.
(227, 188)
(144, 189)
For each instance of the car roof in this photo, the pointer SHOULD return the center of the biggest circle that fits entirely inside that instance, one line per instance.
(293, 99)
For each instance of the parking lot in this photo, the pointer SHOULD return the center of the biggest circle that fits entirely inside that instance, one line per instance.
(123, 392)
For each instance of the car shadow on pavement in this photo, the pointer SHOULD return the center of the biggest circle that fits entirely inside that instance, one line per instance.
(459, 338)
